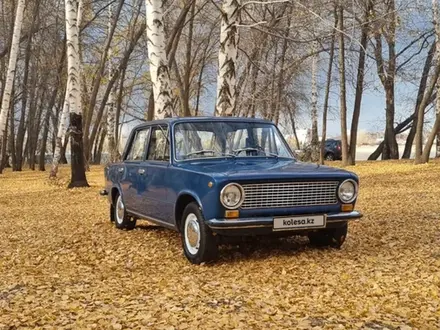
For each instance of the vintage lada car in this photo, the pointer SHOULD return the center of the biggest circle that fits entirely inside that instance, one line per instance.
(210, 178)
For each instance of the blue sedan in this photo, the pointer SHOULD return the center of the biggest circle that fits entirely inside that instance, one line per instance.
(210, 178)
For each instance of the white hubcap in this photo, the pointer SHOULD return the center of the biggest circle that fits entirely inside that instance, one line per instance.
(192, 234)
(119, 210)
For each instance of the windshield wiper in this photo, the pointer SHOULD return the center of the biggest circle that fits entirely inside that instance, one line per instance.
(271, 154)
(200, 152)
(267, 153)
(237, 151)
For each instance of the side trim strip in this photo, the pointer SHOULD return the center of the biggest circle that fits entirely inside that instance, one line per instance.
(156, 221)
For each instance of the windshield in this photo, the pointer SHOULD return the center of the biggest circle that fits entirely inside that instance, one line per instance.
(228, 139)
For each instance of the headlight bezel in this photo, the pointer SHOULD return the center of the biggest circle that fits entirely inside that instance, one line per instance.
(223, 191)
(355, 195)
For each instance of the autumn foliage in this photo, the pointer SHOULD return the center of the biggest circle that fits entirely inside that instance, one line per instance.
(64, 265)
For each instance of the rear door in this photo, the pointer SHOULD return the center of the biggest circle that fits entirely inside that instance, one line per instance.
(132, 182)
(157, 163)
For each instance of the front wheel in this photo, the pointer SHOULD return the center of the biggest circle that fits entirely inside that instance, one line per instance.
(199, 244)
(122, 219)
(333, 237)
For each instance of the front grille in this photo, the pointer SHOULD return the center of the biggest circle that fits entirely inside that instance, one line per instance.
(289, 194)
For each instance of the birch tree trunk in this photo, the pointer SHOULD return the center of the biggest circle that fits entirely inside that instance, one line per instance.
(228, 54)
(342, 88)
(111, 100)
(63, 123)
(315, 138)
(7, 93)
(159, 66)
(78, 175)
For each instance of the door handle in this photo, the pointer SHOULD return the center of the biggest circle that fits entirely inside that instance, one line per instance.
(141, 171)
(121, 169)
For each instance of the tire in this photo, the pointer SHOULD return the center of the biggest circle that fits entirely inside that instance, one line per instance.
(329, 156)
(199, 244)
(112, 213)
(122, 219)
(330, 237)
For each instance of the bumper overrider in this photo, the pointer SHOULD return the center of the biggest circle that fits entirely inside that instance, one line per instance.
(332, 219)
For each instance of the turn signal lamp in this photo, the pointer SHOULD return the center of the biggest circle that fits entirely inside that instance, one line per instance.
(231, 214)
(347, 207)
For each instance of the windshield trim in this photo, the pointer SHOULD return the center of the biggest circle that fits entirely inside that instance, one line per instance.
(282, 139)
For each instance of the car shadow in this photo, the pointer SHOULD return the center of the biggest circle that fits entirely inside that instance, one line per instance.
(150, 227)
(263, 248)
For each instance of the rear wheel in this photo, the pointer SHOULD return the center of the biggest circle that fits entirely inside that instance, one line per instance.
(199, 244)
(122, 219)
(333, 237)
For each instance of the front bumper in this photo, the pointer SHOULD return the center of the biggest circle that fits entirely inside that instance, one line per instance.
(224, 225)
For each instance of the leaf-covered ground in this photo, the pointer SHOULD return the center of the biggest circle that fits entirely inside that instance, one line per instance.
(63, 264)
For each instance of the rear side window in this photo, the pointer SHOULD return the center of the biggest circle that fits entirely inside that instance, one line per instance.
(159, 148)
(137, 148)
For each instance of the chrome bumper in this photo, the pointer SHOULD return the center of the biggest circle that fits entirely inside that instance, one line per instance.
(268, 221)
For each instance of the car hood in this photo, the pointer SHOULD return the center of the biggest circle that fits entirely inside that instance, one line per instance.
(262, 169)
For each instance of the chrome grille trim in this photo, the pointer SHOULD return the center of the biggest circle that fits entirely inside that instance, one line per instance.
(289, 194)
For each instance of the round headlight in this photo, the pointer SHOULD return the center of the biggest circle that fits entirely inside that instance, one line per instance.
(348, 191)
(232, 196)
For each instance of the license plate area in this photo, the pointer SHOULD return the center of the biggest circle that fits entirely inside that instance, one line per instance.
(299, 222)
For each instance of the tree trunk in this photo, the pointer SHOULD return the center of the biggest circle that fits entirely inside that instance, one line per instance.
(342, 88)
(436, 128)
(12, 138)
(118, 111)
(437, 152)
(4, 159)
(6, 100)
(99, 146)
(420, 94)
(63, 159)
(111, 132)
(188, 64)
(41, 160)
(78, 175)
(314, 106)
(327, 92)
(159, 69)
(62, 130)
(228, 55)
(359, 87)
(421, 112)
(292, 122)
(280, 89)
(387, 77)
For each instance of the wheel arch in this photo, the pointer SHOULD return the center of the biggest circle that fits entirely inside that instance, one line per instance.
(182, 201)
(113, 193)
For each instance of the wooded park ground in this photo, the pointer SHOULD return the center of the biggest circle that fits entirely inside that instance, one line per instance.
(64, 265)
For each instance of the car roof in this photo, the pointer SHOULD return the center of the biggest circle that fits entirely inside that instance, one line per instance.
(174, 120)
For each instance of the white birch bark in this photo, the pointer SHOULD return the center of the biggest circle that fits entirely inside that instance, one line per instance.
(73, 67)
(63, 123)
(159, 68)
(111, 99)
(6, 102)
(228, 54)
(436, 12)
(314, 105)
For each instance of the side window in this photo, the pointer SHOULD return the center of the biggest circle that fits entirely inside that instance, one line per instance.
(159, 148)
(137, 148)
